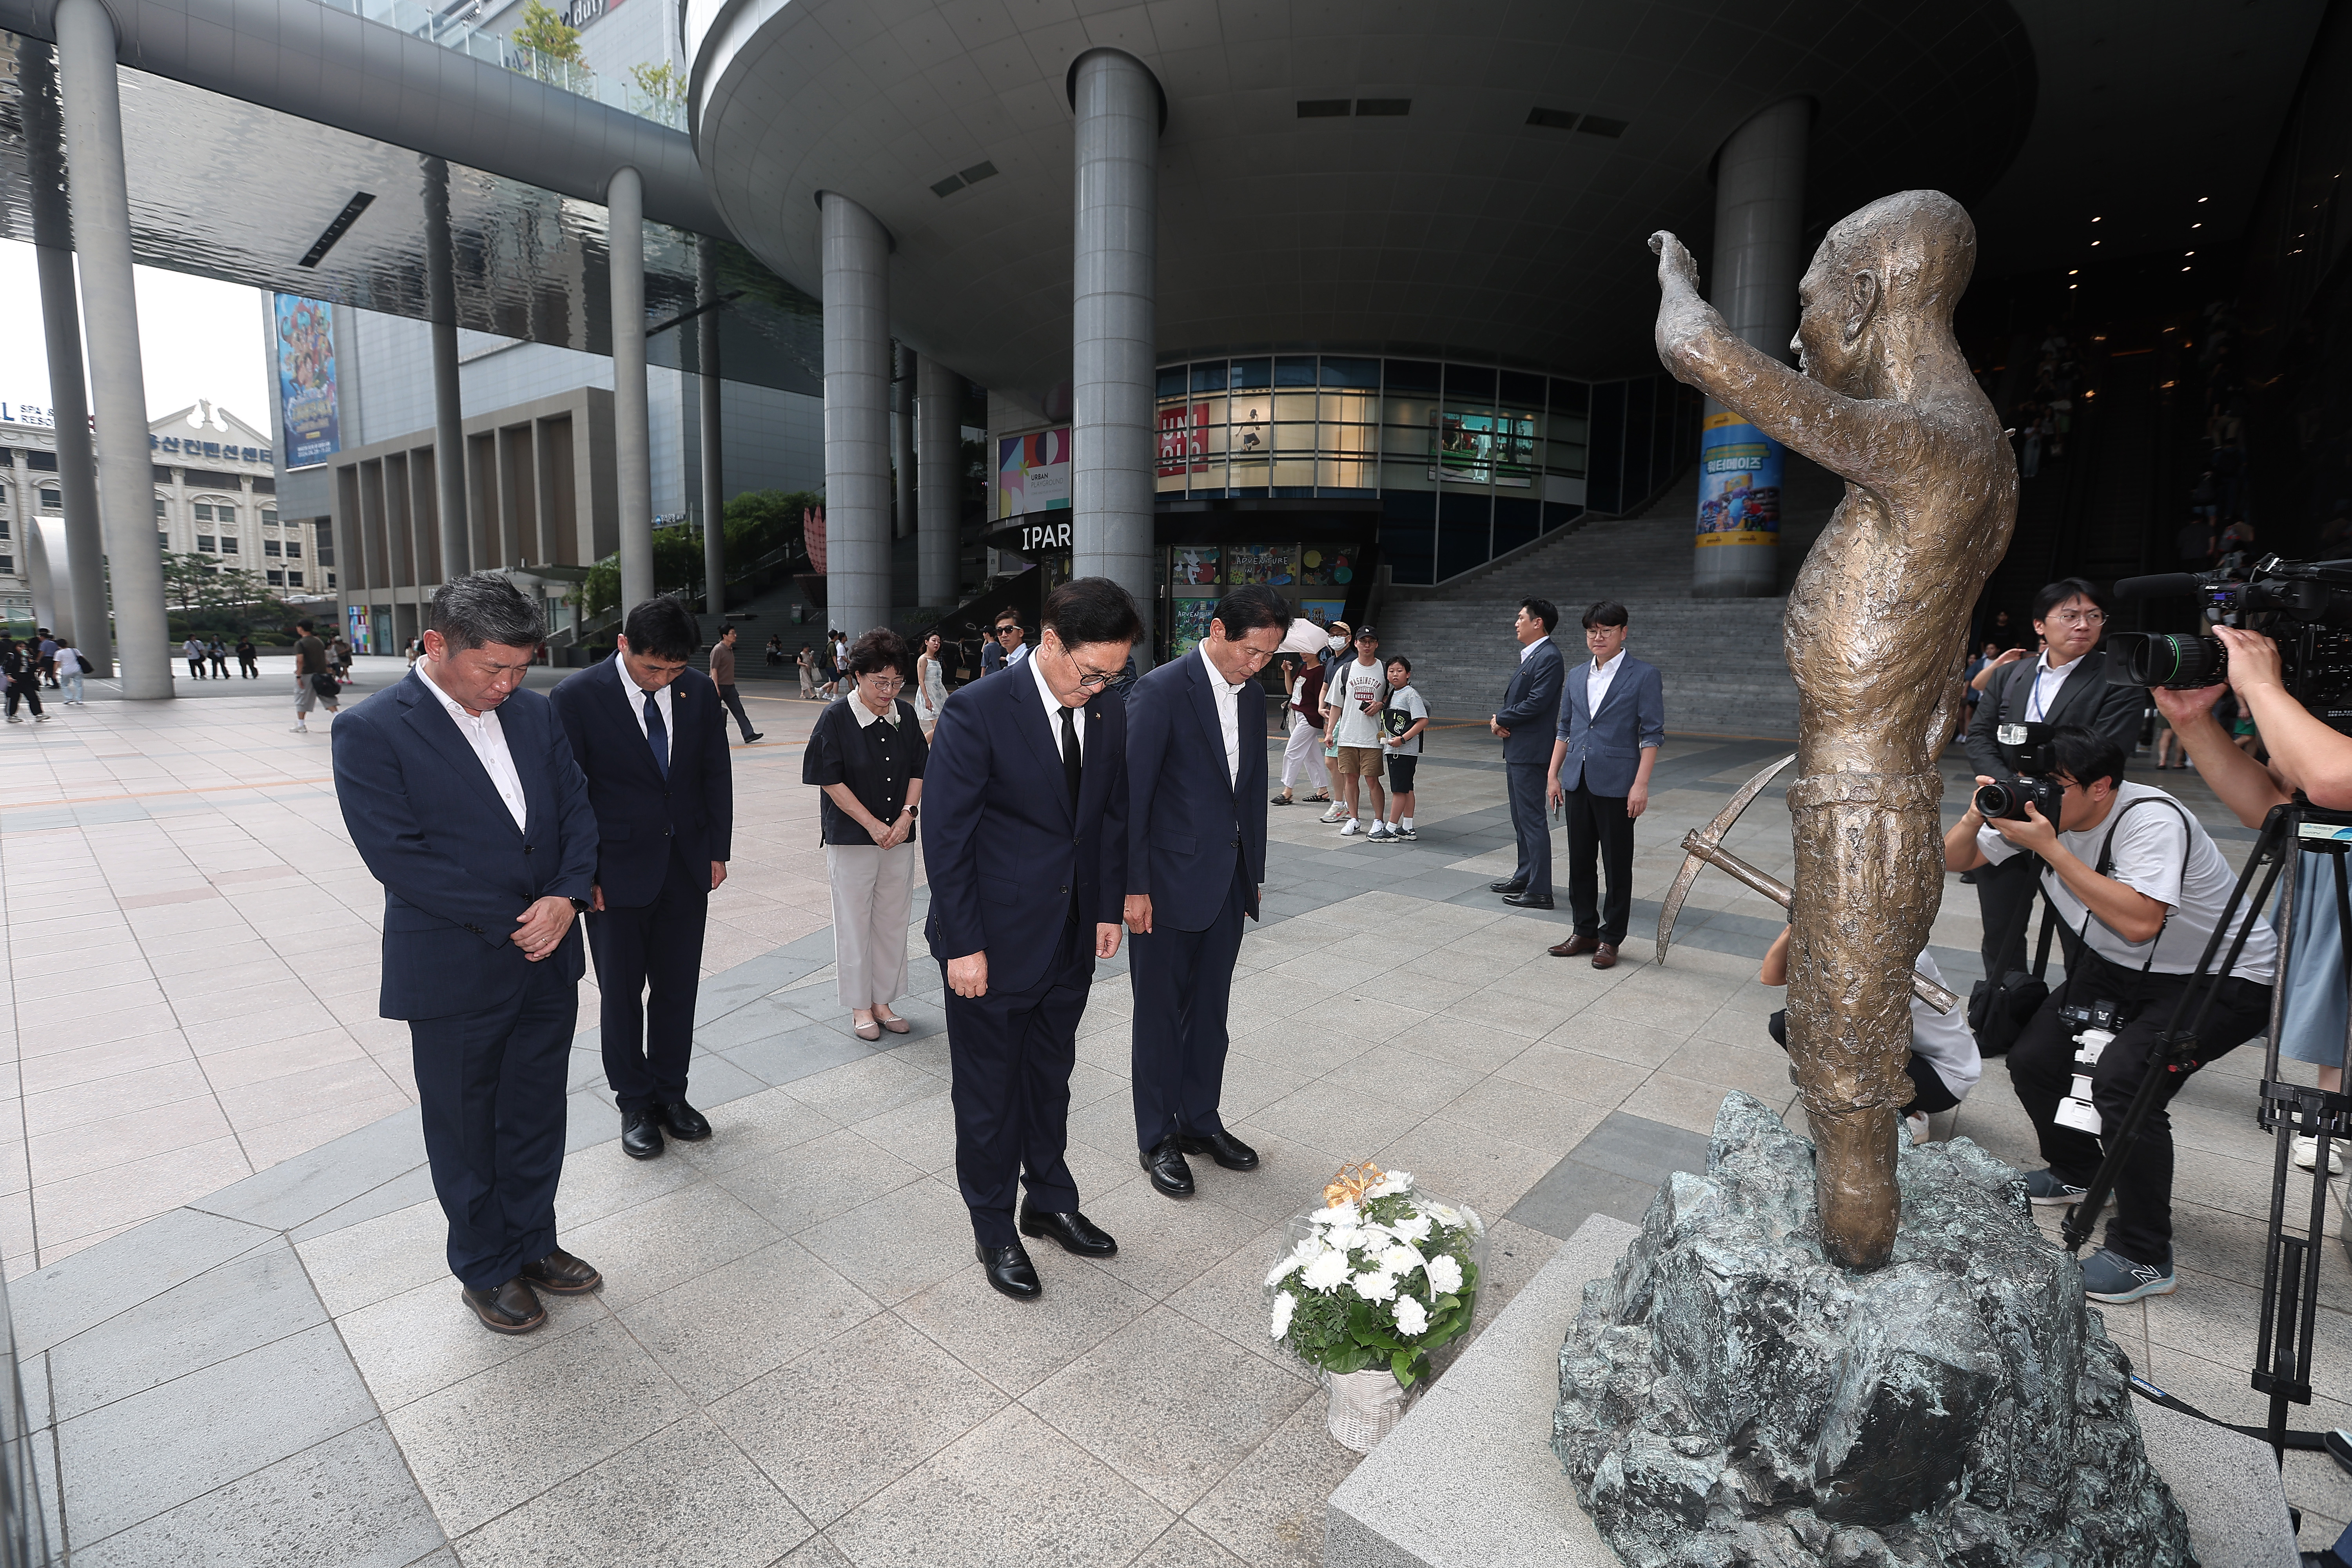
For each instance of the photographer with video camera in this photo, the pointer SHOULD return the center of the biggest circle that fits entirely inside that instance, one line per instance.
(2067, 683)
(2142, 886)
(2306, 754)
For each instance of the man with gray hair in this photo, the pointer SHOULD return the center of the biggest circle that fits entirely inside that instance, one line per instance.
(461, 794)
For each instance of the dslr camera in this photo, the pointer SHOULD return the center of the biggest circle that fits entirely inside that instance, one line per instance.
(2034, 785)
(2304, 606)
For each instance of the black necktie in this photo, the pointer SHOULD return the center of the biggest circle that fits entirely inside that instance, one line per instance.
(1070, 759)
(657, 736)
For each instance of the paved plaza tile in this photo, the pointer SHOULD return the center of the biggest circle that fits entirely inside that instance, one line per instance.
(242, 1345)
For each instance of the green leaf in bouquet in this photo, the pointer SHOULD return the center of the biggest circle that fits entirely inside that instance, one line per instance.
(1401, 1363)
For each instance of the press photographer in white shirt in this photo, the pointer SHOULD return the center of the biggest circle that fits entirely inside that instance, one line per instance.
(2305, 755)
(2142, 886)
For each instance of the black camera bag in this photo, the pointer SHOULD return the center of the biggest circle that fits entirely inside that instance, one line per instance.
(1997, 1014)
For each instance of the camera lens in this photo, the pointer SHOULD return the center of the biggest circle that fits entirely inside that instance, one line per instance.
(1998, 800)
(2181, 661)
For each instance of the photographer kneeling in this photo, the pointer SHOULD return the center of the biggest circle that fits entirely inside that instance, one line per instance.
(2306, 755)
(2141, 885)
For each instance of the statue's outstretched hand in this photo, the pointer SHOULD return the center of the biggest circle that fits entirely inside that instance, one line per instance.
(1675, 264)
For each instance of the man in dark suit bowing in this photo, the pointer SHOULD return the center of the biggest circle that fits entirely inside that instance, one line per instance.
(1025, 839)
(462, 798)
(651, 736)
(1530, 710)
(2065, 683)
(1195, 856)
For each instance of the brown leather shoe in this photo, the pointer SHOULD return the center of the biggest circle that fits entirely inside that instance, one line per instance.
(1574, 947)
(1604, 956)
(509, 1308)
(561, 1274)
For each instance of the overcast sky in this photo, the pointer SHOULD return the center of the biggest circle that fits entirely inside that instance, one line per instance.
(199, 339)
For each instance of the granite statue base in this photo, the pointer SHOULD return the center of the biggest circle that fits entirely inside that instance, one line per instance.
(1729, 1396)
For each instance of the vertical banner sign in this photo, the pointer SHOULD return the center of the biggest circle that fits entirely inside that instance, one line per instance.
(1738, 483)
(1183, 440)
(356, 628)
(306, 380)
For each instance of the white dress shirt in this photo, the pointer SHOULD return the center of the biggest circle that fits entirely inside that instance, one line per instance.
(2047, 679)
(1528, 650)
(1597, 681)
(489, 743)
(1229, 718)
(634, 695)
(1019, 653)
(1054, 713)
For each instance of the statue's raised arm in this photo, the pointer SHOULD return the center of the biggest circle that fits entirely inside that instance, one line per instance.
(1882, 397)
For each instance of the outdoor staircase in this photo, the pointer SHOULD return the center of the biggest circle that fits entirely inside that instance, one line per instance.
(1721, 659)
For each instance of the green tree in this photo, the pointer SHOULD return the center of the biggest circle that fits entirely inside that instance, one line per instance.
(211, 598)
(544, 29)
(662, 83)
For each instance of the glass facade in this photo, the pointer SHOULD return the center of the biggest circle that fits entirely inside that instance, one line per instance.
(1468, 462)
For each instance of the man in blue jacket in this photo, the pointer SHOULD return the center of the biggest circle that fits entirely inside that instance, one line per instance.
(1530, 706)
(651, 736)
(1024, 840)
(1612, 716)
(460, 793)
(1195, 856)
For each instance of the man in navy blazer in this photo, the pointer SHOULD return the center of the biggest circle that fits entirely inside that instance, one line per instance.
(1195, 857)
(651, 736)
(461, 795)
(1612, 716)
(1024, 840)
(1530, 706)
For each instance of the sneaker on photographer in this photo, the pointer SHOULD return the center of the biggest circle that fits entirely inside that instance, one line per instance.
(2307, 1154)
(2047, 1191)
(2110, 1277)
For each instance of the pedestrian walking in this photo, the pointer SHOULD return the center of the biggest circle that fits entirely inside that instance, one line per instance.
(807, 662)
(1302, 757)
(722, 676)
(931, 683)
(193, 652)
(48, 657)
(249, 658)
(312, 683)
(71, 668)
(217, 652)
(20, 666)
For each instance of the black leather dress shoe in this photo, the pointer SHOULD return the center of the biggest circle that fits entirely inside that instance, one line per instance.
(1010, 1272)
(560, 1274)
(1224, 1148)
(641, 1136)
(1164, 1163)
(1074, 1230)
(1507, 886)
(1527, 901)
(682, 1121)
(509, 1308)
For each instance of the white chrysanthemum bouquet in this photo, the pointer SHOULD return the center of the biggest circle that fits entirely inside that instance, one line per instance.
(1379, 1277)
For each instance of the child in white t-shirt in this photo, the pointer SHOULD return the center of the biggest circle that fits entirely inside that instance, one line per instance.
(1401, 723)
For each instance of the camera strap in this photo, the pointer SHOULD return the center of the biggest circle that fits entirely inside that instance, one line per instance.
(2107, 860)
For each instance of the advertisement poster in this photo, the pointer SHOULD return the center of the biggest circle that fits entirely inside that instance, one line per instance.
(1194, 565)
(1033, 473)
(1738, 483)
(306, 380)
(1183, 440)
(356, 630)
(1323, 612)
(1275, 565)
(1191, 618)
(1320, 565)
(1484, 447)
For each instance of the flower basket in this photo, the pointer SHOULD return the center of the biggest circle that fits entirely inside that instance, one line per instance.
(1371, 1284)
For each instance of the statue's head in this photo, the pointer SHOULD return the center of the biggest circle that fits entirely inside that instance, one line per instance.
(1882, 276)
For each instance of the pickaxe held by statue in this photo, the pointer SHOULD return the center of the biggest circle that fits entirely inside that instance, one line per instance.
(1706, 848)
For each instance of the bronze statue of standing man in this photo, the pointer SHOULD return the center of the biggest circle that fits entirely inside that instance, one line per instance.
(1884, 398)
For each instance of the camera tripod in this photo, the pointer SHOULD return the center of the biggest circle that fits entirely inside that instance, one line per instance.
(2287, 1324)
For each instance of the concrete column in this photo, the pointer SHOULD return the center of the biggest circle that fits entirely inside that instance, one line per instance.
(102, 226)
(448, 407)
(1759, 220)
(633, 465)
(1113, 341)
(938, 445)
(902, 448)
(714, 491)
(78, 570)
(856, 257)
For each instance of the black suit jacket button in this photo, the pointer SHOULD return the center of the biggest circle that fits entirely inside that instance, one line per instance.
(525, 848)
(1061, 889)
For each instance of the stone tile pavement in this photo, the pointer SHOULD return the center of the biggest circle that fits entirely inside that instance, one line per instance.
(794, 1358)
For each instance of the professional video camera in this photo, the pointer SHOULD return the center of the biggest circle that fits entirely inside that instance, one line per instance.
(2031, 743)
(2304, 606)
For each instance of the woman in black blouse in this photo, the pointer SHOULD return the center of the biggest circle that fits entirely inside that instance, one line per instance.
(866, 753)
